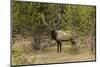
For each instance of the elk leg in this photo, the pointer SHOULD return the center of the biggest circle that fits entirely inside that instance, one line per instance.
(60, 47)
(74, 45)
(72, 42)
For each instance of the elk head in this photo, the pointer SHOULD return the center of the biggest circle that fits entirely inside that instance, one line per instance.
(53, 29)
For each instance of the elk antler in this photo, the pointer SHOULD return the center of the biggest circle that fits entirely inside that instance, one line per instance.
(44, 20)
(59, 17)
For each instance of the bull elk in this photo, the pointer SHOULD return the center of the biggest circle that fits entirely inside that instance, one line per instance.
(58, 35)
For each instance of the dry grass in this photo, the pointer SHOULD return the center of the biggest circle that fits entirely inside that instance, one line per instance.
(22, 53)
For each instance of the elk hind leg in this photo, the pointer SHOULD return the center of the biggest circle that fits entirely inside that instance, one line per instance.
(74, 46)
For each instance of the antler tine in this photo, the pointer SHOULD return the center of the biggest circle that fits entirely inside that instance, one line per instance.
(44, 20)
(58, 20)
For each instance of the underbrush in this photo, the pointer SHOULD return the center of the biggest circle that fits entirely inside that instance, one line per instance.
(21, 56)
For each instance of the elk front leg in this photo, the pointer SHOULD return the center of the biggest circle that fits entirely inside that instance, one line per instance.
(60, 47)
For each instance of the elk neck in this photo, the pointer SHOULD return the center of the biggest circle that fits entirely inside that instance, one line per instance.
(54, 34)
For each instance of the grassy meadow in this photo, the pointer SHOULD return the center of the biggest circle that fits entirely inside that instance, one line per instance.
(23, 53)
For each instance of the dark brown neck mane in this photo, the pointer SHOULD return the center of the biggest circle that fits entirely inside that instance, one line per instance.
(54, 34)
